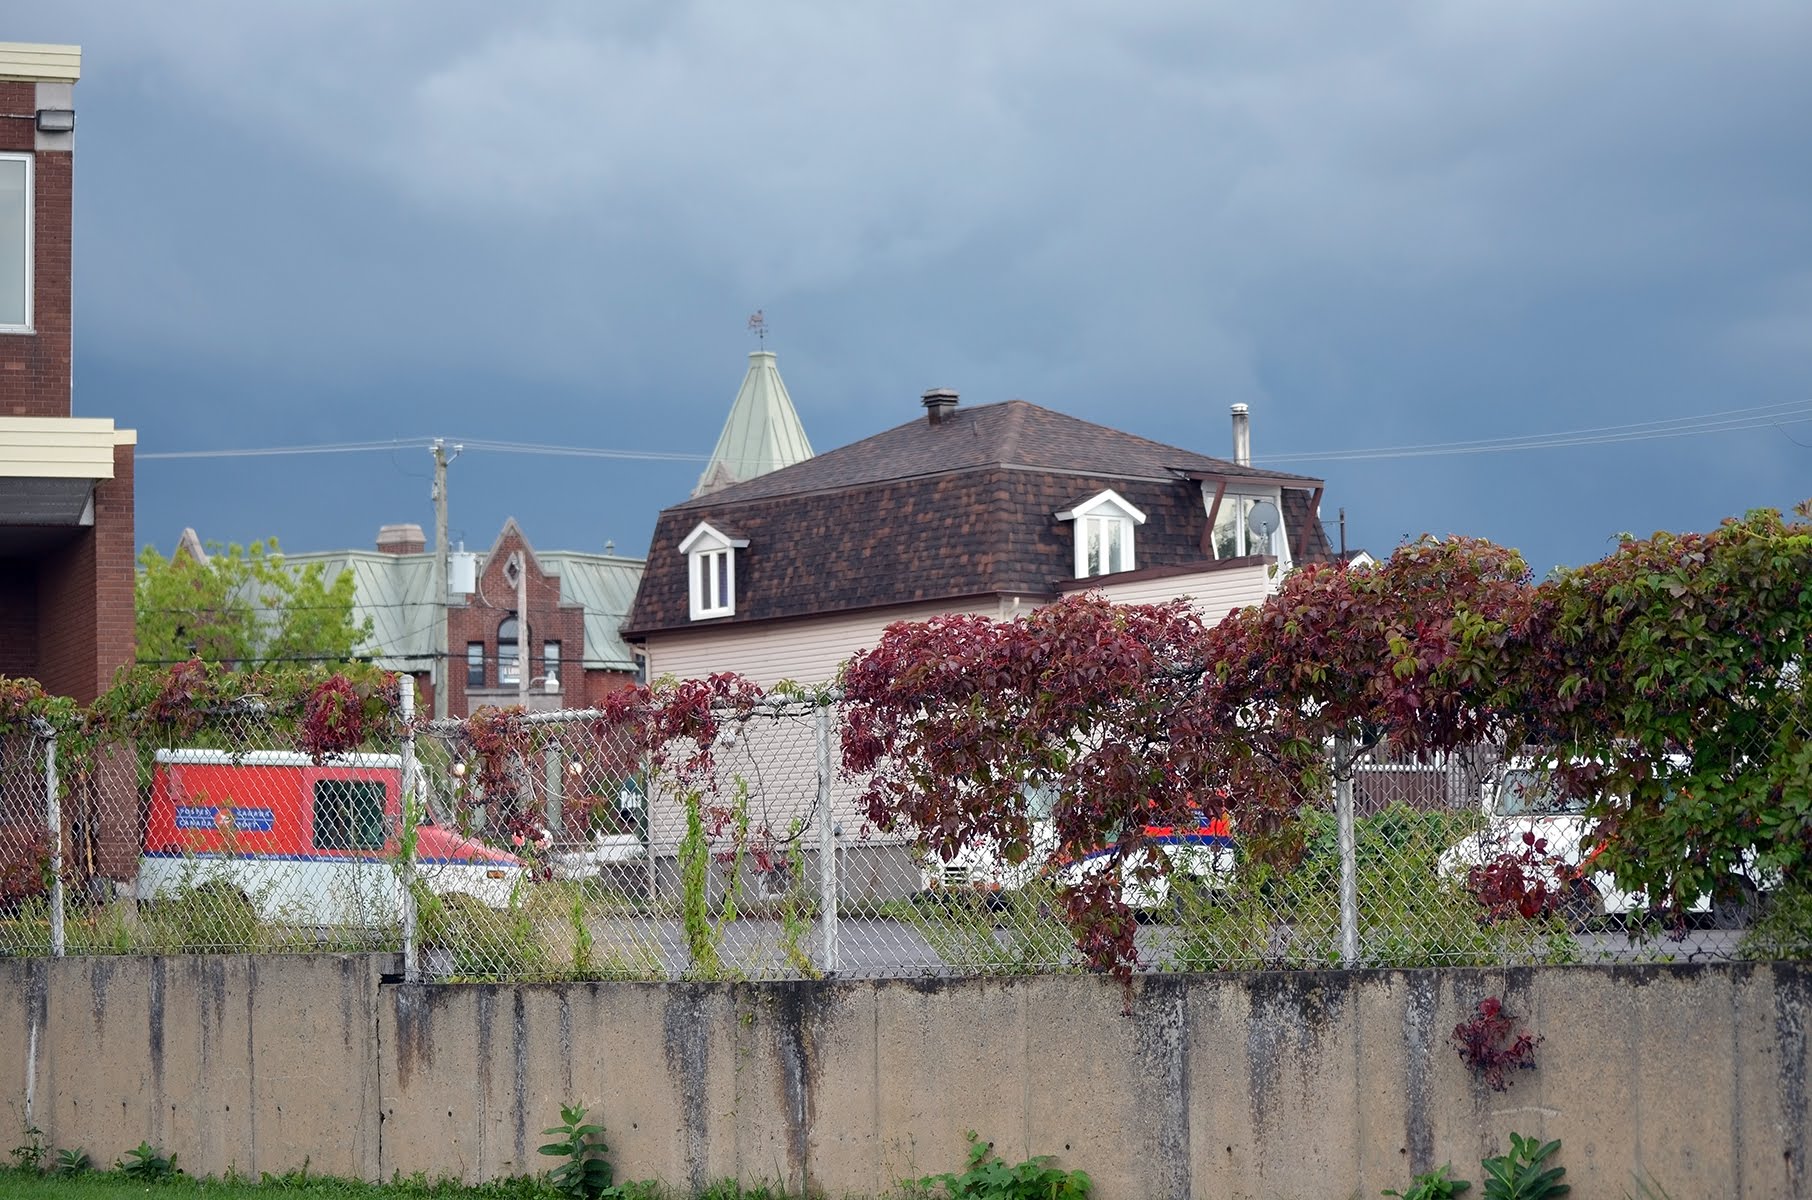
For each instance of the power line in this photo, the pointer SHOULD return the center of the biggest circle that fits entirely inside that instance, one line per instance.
(271, 451)
(1762, 416)
(1725, 421)
(399, 443)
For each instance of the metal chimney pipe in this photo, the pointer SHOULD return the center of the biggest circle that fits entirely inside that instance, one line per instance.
(939, 403)
(1242, 436)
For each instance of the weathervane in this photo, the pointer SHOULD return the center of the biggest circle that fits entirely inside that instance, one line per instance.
(758, 325)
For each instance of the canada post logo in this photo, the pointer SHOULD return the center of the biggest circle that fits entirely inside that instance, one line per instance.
(224, 817)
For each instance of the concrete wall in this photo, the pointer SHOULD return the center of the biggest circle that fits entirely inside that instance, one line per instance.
(256, 1063)
(1692, 1078)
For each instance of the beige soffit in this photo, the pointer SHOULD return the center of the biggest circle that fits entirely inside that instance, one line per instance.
(60, 447)
(34, 63)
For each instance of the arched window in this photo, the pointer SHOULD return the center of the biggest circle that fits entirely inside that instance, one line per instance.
(507, 651)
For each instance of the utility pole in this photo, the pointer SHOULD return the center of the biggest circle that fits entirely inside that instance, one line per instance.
(522, 630)
(443, 671)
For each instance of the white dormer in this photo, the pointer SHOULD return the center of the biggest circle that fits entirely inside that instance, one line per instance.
(1104, 533)
(1249, 521)
(711, 570)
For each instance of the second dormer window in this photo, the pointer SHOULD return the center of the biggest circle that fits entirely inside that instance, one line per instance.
(713, 589)
(711, 571)
(1104, 534)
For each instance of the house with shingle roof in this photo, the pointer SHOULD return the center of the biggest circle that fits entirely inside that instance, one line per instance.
(988, 509)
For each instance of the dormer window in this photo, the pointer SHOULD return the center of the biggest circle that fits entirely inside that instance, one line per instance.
(1249, 523)
(1104, 534)
(711, 570)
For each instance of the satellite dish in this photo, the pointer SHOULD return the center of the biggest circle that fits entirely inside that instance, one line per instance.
(1263, 520)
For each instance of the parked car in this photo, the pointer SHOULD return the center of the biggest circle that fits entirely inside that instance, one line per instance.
(1202, 850)
(593, 859)
(304, 842)
(1524, 810)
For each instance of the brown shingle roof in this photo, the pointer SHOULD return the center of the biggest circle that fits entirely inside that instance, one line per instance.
(1014, 433)
(924, 512)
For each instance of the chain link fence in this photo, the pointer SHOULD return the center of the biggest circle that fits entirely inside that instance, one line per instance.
(562, 846)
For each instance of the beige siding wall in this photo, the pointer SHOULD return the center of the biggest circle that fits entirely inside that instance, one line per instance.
(1214, 593)
(807, 651)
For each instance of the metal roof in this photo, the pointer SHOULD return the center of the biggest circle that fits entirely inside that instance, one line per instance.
(762, 432)
(605, 586)
(397, 592)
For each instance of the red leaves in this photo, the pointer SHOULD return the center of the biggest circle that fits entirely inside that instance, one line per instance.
(1486, 1045)
(333, 718)
(1120, 715)
(1528, 882)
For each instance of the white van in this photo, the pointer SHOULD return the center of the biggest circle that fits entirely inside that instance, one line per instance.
(306, 843)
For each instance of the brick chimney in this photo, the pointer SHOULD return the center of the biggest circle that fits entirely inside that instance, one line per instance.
(939, 403)
(402, 539)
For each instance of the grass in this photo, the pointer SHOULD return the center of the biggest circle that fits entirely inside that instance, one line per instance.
(111, 1186)
(19, 1185)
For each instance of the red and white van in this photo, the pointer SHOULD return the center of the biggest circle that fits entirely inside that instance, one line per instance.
(307, 843)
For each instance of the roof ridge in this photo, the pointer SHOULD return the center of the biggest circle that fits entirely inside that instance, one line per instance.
(1014, 420)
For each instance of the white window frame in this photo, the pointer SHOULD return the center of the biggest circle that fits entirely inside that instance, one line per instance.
(31, 220)
(711, 558)
(1231, 501)
(1110, 514)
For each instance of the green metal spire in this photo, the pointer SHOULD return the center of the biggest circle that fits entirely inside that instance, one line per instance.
(762, 434)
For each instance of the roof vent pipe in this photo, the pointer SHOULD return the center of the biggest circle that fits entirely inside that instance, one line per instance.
(939, 403)
(1242, 436)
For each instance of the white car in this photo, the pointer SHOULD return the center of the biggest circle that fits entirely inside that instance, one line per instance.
(1524, 804)
(593, 859)
(1202, 850)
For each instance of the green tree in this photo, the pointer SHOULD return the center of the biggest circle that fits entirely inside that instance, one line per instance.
(243, 606)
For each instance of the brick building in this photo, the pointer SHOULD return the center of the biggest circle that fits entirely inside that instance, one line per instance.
(66, 534)
(575, 600)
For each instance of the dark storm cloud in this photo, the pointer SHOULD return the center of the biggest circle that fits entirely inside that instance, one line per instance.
(1378, 226)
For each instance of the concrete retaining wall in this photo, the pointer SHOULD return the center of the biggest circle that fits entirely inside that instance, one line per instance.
(1692, 1078)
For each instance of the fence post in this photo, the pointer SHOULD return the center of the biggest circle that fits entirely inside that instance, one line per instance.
(53, 822)
(1349, 855)
(412, 970)
(827, 848)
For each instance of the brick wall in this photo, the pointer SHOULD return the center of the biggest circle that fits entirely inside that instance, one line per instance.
(116, 540)
(477, 621)
(34, 367)
(84, 599)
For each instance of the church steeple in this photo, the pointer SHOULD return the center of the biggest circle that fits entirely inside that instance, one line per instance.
(762, 434)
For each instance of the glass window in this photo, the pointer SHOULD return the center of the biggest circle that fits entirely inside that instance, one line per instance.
(1105, 525)
(1233, 536)
(474, 664)
(349, 814)
(713, 585)
(15, 241)
(506, 652)
(1531, 794)
(550, 659)
(1107, 545)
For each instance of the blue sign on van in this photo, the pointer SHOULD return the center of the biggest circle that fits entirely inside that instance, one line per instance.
(210, 816)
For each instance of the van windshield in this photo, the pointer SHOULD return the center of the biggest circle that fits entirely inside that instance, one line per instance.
(1525, 793)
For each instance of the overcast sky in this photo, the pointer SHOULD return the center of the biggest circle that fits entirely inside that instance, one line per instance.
(1379, 225)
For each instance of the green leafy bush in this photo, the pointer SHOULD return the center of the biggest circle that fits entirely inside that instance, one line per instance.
(1433, 1185)
(1519, 1175)
(988, 1178)
(586, 1173)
